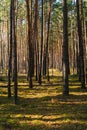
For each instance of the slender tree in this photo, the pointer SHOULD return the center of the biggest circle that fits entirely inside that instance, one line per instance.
(29, 46)
(10, 53)
(81, 45)
(41, 52)
(15, 50)
(65, 57)
(47, 42)
(36, 38)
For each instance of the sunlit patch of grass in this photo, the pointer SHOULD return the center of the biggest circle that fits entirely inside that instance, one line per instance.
(55, 72)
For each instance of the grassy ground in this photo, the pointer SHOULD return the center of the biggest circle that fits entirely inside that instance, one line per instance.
(44, 107)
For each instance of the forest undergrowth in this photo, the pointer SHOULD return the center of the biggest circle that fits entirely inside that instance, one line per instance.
(44, 107)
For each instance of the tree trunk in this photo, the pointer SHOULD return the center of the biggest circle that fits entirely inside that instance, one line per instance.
(41, 52)
(47, 42)
(15, 49)
(29, 46)
(10, 53)
(65, 57)
(81, 48)
(36, 38)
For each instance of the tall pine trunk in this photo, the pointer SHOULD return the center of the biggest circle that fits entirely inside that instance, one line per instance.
(47, 41)
(10, 53)
(81, 45)
(65, 57)
(29, 46)
(15, 50)
(41, 52)
(36, 38)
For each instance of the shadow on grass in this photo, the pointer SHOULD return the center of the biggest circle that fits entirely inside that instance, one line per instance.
(54, 81)
(45, 113)
(44, 107)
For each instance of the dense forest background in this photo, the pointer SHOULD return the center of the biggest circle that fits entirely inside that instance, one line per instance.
(39, 36)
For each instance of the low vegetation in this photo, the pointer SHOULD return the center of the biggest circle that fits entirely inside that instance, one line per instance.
(44, 107)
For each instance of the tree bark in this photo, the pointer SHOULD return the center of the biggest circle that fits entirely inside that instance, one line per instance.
(10, 53)
(41, 52)
(15, 50)
(81, 48)
(29, 46)
(65, 57)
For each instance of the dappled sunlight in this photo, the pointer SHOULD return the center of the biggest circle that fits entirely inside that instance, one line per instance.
(44, 107)
(79, 93)
(50, 121)
(39, 92)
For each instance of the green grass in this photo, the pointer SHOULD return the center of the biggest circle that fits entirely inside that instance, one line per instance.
(44, 107)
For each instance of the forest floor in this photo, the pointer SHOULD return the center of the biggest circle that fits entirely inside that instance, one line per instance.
(44, 107)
